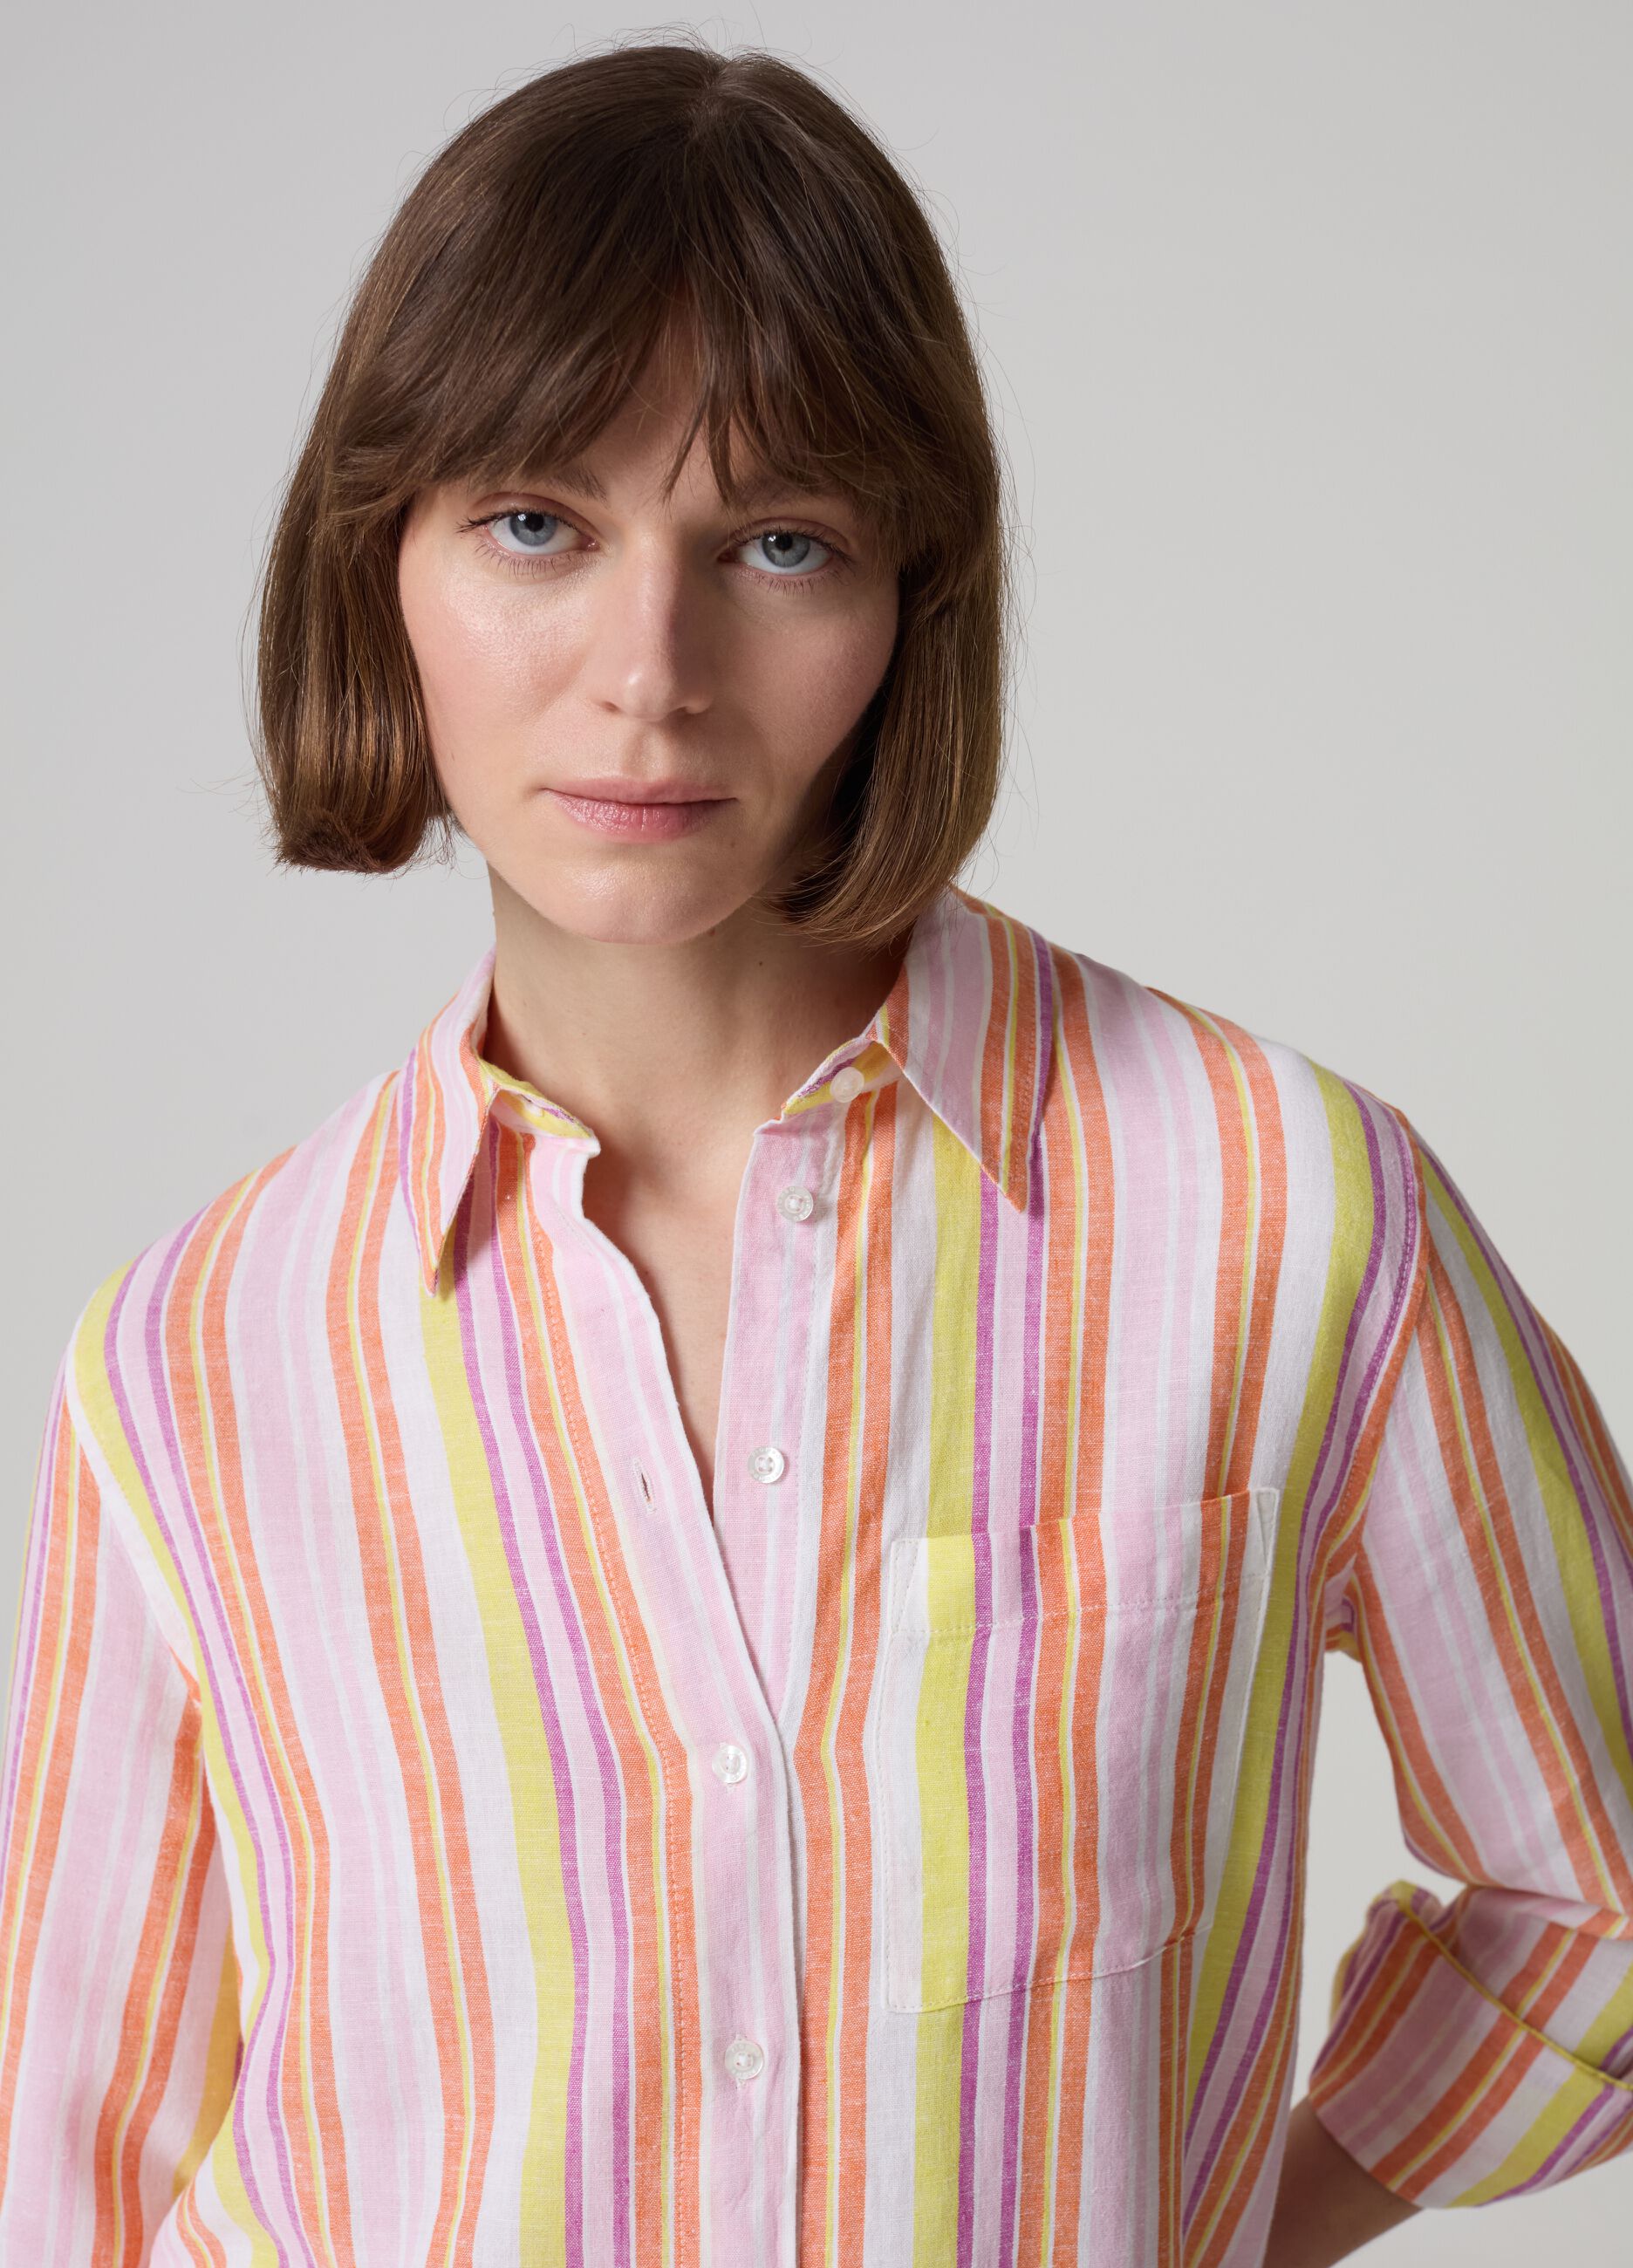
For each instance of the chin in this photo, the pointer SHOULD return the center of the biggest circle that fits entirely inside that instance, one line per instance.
(640, 905)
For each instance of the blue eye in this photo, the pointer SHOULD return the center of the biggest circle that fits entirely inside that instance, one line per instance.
(534, 530)
(786, 550)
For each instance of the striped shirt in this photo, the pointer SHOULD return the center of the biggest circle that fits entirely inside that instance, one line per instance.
(433, 1833)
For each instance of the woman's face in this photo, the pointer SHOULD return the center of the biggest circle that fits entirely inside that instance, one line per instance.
(582, 645)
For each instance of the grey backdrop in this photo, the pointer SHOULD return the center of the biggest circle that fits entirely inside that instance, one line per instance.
(1310, 331)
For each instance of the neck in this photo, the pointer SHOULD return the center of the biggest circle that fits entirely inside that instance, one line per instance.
(673, 1054)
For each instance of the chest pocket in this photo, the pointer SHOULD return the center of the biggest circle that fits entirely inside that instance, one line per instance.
(1058, 1740)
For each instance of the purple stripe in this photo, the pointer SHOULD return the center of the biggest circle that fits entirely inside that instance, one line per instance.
(1027, 1885)
(1381, 1932)
(1361, 1406)
(1577, 2147)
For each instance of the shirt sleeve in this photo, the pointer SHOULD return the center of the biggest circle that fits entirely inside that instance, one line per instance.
(1483, 2045)
(118, 2016)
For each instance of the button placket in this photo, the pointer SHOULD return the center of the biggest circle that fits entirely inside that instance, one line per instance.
(742, 1847)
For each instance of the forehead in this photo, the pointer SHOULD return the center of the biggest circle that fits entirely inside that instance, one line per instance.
(754, 483)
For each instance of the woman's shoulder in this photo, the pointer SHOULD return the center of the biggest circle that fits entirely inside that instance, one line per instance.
(1152, 1043)
(253, 1241)
(1178, 1104)
(1189, 1114)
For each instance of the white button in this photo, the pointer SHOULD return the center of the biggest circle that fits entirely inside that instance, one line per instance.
(795, 1204)
(743, 2060)
(729, 1763)
(767, 1464)
(847, 1083)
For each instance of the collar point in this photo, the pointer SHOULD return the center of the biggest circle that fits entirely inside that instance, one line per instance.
(1017, 1184)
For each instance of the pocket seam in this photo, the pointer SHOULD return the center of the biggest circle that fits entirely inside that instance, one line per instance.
(1096, 1608)
(1043, 1980)
(906, 1550)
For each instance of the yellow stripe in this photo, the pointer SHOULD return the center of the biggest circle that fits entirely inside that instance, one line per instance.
(943, 1801)
(530, 1778)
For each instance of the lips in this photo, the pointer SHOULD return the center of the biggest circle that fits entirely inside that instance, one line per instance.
(646, 819)
(612, 789)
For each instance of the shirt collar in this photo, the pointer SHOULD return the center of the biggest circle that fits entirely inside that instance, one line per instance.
(967, 1021)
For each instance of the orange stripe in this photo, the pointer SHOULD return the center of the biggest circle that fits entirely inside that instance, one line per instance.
(1572, 1783)
(1439, 1825)
(1454, 2106)
(186, 1845)
(654, 2046)
(855, 1232)
(1219, 1045)
(1076, 2003)
(457, 1974)
(207, 1416)
(71, 1503)
(1375, 2016)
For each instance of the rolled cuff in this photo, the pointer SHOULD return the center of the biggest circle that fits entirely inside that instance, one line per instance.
(1435, 2086)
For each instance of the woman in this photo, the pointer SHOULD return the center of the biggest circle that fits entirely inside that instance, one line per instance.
(694, 1631)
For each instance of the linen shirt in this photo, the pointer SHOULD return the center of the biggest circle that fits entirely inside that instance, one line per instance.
(433, 1832)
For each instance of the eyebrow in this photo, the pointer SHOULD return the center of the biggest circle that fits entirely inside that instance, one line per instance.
(574, 473)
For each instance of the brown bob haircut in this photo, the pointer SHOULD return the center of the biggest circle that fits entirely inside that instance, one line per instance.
(509, 306)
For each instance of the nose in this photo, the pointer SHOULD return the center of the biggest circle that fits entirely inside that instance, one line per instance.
(648, 656)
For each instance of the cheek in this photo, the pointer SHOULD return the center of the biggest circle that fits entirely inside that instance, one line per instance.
(814, 687)
(481, 660)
